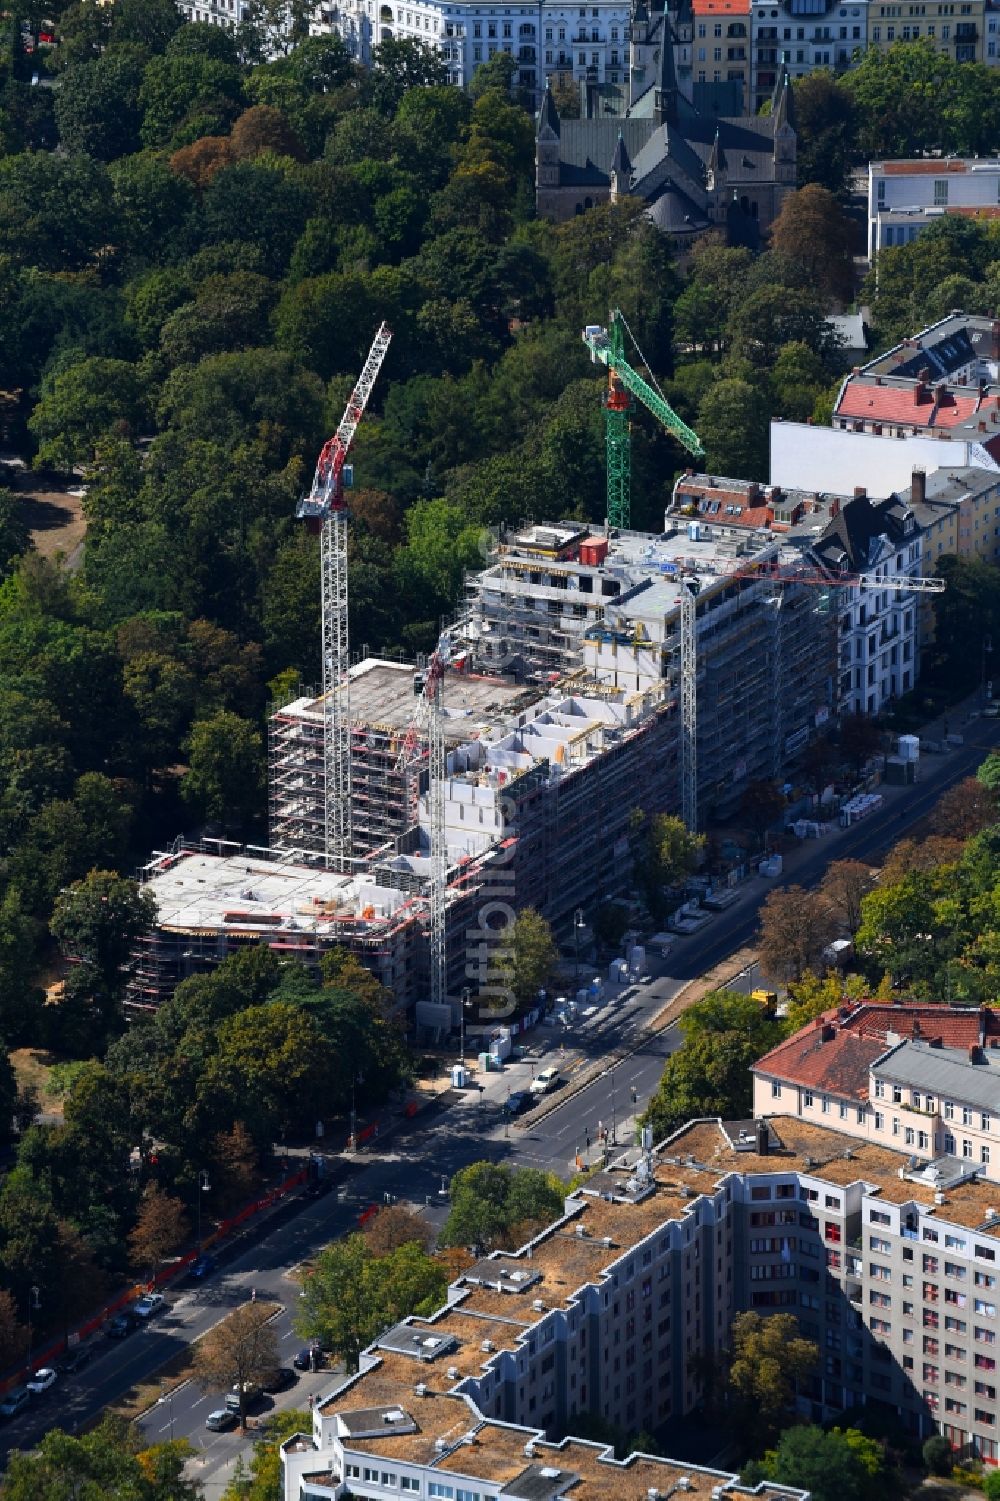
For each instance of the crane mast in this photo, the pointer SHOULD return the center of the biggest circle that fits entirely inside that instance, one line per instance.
(324, 509)
(813, 578)
(607, 346)
(430, 717)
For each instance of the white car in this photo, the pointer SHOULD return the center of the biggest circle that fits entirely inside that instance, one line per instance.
(41, 1380)
(150, 1304)
(545, 1081)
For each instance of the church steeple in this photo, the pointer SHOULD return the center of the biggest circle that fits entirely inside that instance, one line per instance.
(665, 99)
(783, 100)
(621, 171)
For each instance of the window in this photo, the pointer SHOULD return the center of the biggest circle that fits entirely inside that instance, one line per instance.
(807, 1099)
(409, 1483)
(775, 1091)
(445, 1492)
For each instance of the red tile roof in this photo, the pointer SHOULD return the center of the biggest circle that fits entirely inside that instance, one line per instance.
(915, 404)
(835, 1052)
(922, 168)
(720, 7)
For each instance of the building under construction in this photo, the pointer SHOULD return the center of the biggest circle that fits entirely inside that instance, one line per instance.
(216, 898)
(555, 599)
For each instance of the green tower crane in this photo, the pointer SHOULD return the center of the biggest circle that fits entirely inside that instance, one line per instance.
(608, 346)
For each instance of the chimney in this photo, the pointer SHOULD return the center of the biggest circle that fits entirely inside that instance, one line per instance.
(834, 506)
(982, 425)
(763, 1139)
(975, 1053)
(856, 370)
(918, 486)
(860, 491)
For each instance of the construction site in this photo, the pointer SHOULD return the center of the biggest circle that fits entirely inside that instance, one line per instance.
(590, 674)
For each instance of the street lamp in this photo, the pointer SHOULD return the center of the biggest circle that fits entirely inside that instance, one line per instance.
(34, 1303)
(614, 1112)
(466, 993)
(987, 651)
(203, 1188)
(167, 1397)
(577, 925)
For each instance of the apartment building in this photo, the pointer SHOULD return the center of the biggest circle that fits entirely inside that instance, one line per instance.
(957, 28)
(905, 196)
(877, 628)
(800, 35)
(890, 1265)
(721, 44)
(924, 1079)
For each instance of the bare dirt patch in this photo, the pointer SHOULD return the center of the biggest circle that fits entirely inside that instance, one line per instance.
(33, 1066)
(54, 516)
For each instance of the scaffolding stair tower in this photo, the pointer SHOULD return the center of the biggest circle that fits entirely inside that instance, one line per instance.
(430, 718)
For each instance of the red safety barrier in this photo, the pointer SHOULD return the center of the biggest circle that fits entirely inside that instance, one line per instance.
(412, 1107)
(128, 1295)
(367, 1214)
(367, 1133)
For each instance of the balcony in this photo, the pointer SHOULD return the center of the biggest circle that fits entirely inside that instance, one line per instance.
(767, 56)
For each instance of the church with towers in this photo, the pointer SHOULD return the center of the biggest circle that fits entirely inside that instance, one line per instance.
(694, 169)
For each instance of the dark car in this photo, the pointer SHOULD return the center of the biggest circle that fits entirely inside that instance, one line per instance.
(119, 1326)
(518, 1100)
(279, 1380)
(203, 1266)
(309, 1358)
(76, 1360)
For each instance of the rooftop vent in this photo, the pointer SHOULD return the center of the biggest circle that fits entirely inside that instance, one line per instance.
(529, 1450)
(684, 1483)
(538, 1305)
(607, 1243)
(421, 1389)
(487, 1345)
(453, 1373)
(581, 1230)
(394, 1415)
(440, 1445)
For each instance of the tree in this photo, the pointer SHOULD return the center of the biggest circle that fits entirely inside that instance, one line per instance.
(97, 104)
(761, 805)
(732, 423)
(937, 1455)
(492, 1205)
(834, 1466)
(810, 996)
(87, 401)
(773, 315)
(103, 1465)
(965, 809)
(225, 776)
(496, 74)
(844, 885)
(533, 954)
(394, 1226)
(160, 1227)
(15, 537)
(796, 926)
(813, 232)
(989, 772)
(724, 1035)
(153, 205)
(767, 1360)
(99, 919)
(860, 739)
(239, 1353)
(353, 1294)
(264, 129)
(180, 92)
(824, 125)
(236, 1158)
(55, 211)
(397, 66)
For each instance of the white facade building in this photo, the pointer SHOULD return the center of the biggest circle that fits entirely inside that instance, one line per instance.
(806, 34)
(905, 196)
(587, 42)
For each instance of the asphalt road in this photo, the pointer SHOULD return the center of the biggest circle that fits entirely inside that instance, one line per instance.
(416, 1163)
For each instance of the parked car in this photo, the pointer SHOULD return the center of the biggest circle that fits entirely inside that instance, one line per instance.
(279, 1380)
(518, 1100)
(119, 1326)
(15, 1401)
(75, 1360)
(545, 1082)
(251, 1394)
(220, 1420)
(203, 1265)
(40, 1382)
(151, 1304)
(309, 1358)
